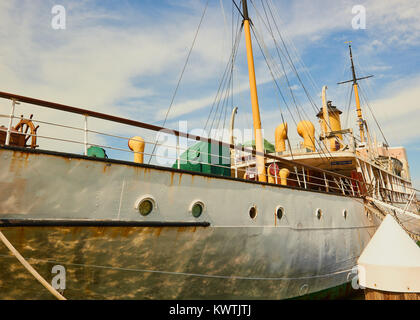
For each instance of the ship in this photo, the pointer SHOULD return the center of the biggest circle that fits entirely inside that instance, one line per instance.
(222, 221)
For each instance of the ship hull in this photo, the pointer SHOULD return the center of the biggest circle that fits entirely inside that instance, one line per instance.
(79, 213)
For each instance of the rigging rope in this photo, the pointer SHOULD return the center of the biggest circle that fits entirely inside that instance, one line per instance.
(267, 57)
(30, 268)
(290, 61)
(226, 83)
(180, 78)
(298, 58)
(373, 115)
(383, 212)
(279, 90)
(278, 49)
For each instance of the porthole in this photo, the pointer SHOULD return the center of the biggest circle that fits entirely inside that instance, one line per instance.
(196, 208)
(318, 213)
(145, 205)
(303, 289)
(345, 214)
(253, 212)
(279, 212)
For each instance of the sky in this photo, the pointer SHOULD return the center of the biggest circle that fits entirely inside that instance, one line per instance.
(125, 58)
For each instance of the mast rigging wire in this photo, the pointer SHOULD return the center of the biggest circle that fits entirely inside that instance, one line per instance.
(180, 78)
(364, 96)
(290, 60)
(278, 87)
(225, 81)
(373, 115)
(284, 70)
(267, 54)
(222, 83)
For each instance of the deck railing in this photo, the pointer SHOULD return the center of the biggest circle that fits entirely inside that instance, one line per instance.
(300, 176)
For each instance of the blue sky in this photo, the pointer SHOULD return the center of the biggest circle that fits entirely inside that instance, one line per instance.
(125, 58)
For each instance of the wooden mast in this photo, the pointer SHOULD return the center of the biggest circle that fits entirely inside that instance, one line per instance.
(259, 146)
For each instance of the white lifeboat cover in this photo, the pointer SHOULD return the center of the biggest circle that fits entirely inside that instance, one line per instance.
(391, 260)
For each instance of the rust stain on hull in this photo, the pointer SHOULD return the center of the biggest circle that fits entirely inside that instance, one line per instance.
(172, 179)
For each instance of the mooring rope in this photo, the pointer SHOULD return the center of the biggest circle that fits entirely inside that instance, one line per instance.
(30, 268)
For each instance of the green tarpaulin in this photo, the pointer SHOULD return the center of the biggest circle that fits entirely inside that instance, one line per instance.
(268, 147)
(205, 157)
(96, 152)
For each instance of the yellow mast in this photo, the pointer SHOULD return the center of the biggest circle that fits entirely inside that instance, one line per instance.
(359, 111)
(259, 146)
(356, 95)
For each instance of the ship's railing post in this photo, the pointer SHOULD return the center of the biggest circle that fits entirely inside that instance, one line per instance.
(275, 173)
(86, 134)
(297, 176)
(352, 141)
(304, 179)
(9, 128)
(326, 183)
(342, 186)
(351, 186)
(234, 162)
(178, 153)
(358, 192)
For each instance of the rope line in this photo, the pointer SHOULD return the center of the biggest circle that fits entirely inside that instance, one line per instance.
(192, 274)
(30, 268)
(180, 77)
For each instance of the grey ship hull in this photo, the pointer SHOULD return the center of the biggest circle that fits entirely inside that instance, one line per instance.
(78, 212)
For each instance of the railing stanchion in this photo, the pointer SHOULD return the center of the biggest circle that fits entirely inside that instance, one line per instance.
(373, 181)
(178, 154)
(326, 183)
(351, 186)
(86, 135)
(9, 128)
(297, 175)
(234, 162)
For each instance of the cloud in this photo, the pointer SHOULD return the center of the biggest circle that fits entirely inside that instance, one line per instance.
(398, 111)
(127, 61)
(103, 61)
(391, 22)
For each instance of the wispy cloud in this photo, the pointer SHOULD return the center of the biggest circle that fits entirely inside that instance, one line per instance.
(398, 111)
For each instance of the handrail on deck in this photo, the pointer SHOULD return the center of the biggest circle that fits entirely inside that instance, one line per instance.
(99, 115)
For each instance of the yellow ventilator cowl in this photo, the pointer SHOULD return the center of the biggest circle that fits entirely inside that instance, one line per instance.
(284, 173)
(136, 144)
(333, 124)
(280, 135)
(306, 130)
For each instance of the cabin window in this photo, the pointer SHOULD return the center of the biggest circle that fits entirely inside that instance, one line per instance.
(318, 213)
(253, 212)
(197, 209)
(279, 212)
